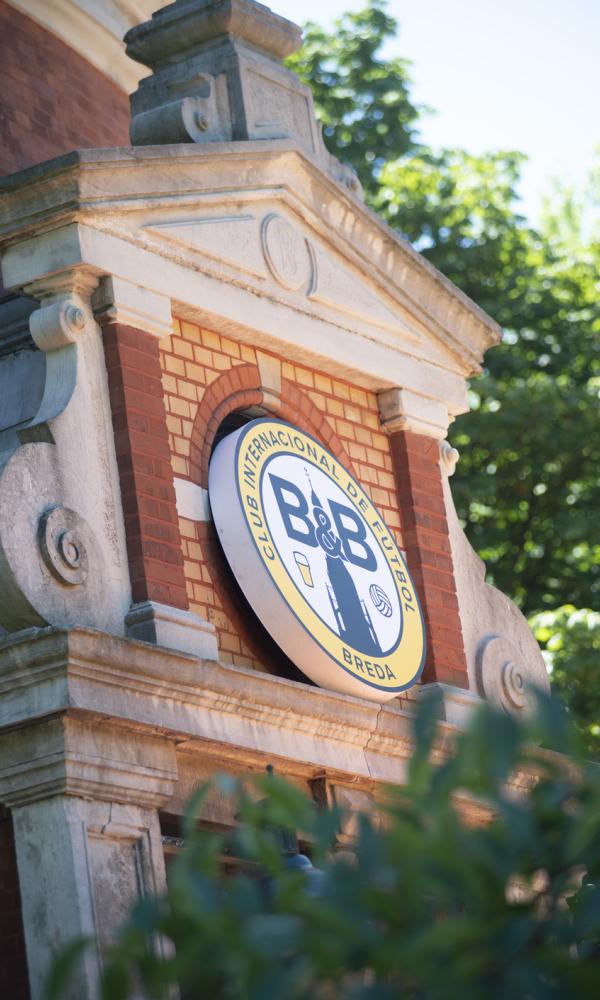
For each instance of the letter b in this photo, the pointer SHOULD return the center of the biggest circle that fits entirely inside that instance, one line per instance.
(295, 510)
(353, 537)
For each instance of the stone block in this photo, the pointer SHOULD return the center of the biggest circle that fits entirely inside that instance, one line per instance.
(173, 628)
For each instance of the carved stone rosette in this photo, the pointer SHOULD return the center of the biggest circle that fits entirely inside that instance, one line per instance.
(504, 679)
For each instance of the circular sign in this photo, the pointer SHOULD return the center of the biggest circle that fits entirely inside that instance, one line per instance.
(316, 561)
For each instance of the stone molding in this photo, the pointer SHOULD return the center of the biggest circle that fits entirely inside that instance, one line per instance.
(133, 692)
(82, 864)
(403, 410)
(67, 756)
(120, 301)
(456, 704)
(165, 213)
(190, 23)
(223, 712)
(217, 75)
(64, 315)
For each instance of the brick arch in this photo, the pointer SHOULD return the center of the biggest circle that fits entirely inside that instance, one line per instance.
(236, 389)
(240, 389)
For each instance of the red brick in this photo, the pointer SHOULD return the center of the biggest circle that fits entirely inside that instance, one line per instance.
(415, 460)
(449, 636)
(419, 500)
(70, 104)
(144, 459)
(436, 560)
(433, 540)
(437, 615)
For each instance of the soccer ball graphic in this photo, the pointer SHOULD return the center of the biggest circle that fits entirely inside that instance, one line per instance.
(380, 600)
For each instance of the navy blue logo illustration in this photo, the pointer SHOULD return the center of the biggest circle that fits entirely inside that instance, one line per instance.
(342, 538)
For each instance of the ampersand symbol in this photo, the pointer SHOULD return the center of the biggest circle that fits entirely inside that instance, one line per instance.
(325, 537)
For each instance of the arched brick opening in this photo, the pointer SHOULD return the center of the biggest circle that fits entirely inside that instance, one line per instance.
(240, 389)
(237, 390)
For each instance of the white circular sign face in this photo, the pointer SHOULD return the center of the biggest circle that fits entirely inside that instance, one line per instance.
(316, 561)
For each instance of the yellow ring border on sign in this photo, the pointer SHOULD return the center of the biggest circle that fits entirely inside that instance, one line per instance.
(405, 661)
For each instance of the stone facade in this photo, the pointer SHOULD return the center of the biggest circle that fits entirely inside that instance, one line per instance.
(155, 293)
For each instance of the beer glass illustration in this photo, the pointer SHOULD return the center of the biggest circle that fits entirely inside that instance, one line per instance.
(304, 566)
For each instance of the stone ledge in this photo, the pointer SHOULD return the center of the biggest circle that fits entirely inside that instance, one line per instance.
(65, 755)
(112, 696)
(221, 711)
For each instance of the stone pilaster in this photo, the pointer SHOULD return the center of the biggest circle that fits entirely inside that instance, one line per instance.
(84, 800)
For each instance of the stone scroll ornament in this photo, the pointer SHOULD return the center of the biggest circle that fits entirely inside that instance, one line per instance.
(508, 678)
(50, 565)
(316, 561)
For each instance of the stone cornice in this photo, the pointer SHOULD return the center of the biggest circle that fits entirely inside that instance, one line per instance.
(220, 712)
(103, 188)
(62, 755)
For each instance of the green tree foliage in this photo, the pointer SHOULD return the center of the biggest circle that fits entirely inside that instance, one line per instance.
(527, 484)
(425, 905)
(571, 641)
(363, 100)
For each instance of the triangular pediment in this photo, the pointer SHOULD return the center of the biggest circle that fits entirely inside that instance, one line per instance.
(255, 239)
(271, 247)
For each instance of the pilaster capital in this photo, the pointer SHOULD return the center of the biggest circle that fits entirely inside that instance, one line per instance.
(65, 313)
(405, 410)
(119, 301)
(68, 756)
(174, 628)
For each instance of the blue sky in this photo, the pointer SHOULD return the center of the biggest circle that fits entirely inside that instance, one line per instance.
(514, 74)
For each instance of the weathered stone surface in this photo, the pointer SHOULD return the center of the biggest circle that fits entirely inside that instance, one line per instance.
(217, 711)
(503, 657)
(119, 301)
(74, 756)
(61, 530)
(81, 866)
(403, 410)
(185, 222)
(172, 627)
(84, 795)
(456, 704)
(217, 76)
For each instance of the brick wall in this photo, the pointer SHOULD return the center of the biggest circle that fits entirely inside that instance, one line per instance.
(51, 99)
(206, 376)
(13, 962)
